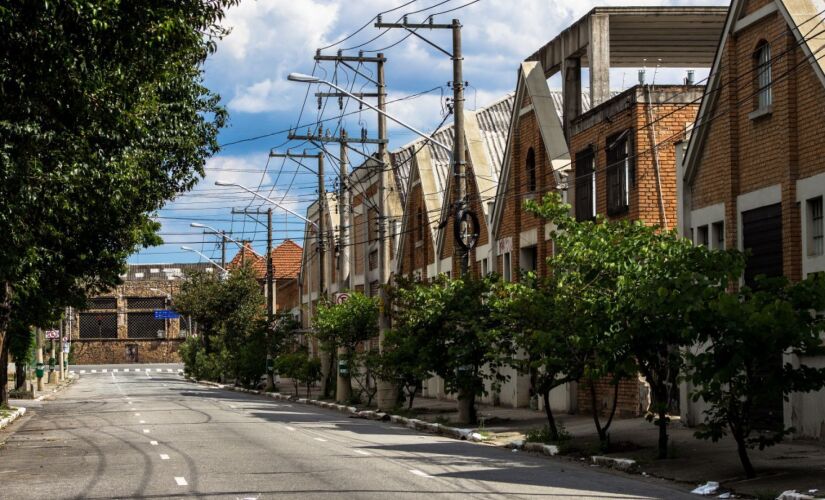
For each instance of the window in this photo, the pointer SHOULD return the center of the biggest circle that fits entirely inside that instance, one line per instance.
(143, 325)
(762, 57)
(816, 228)
(618, 174)
(528, 259)
(102, 303)
(702, 237)
(585, 185)
(531, 170)
(98, 325)
(146, 303)
(506, 267)
(485, 269)
(419, 225)
(718, 230)
(373, 258)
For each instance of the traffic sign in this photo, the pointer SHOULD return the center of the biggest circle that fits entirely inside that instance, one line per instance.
(53, 334)
(166, 314)
(340, 298)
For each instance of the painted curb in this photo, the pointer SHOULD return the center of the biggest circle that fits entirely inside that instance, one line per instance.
(14, 416)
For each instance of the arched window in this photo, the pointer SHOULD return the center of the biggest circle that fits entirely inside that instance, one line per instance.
(762, 60)
(531, 170)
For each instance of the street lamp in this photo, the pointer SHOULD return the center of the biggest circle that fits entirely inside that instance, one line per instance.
(190, 249)
(301, 78)
(223, 235)
(259, 195)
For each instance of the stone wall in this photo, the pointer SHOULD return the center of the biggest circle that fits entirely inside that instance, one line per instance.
(116, 351)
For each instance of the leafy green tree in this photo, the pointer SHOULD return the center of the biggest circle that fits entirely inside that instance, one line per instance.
(454, 333)
(738, 369)
(400, 362)
(343, 326)
(544, 342)
(103, 118)
(231, 322)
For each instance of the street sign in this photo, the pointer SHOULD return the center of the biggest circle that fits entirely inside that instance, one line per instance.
(166, 314)
(53, 334)
(66, 347)
(340, 298)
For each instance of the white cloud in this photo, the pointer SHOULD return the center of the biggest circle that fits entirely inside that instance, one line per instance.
(266, 95)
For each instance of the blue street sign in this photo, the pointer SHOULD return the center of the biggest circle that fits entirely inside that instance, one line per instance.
(166, 314)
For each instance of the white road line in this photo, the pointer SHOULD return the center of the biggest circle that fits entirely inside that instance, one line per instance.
(159, 369)
(168, 370)
(232, 406)
(362, 452)
(105, 370)
(114, 370)
(82, 371)
(129, 402)
(164, 456)
(419, 473)
(148, 370)
(94, 371)
(321, 440)
(146, 431)
(290, 428)
(137, 414)
(142, 422)
(153, 443)
(181, 481)
(126, 369)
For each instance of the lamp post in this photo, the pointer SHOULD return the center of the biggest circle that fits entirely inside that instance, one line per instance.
(190, 249)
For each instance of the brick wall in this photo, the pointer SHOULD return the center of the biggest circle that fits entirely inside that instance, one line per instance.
(629, 404)
(417, 253)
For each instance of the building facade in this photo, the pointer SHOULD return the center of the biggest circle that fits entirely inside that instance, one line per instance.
(754, 173)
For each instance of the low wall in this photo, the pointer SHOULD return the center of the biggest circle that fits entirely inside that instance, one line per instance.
(117, 351)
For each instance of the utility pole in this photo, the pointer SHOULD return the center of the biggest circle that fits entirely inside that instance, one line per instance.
(39, 353)
(223, 249)
(464, 237)
(270, 305)
(344, 209)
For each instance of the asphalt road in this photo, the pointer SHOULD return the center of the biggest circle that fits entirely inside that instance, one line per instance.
(154, 435)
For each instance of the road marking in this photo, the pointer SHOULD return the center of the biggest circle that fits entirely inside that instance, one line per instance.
(362, 452)
(142, 422)
(104, 370)
(164, 456)
(126, 369)
(168, 370)
(146, 431)
(419, 473)
(82, 371)
(153, 443)
(129, 402)
(290, 428)
(232, 406)
(181, 481)
(148, 370)
(321, 440)
(159, 369)
(114, 370)
(137, 414)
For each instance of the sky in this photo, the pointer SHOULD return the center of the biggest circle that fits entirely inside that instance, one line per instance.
(271, 38)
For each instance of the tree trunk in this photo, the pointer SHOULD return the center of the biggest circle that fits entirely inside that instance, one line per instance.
(551, 422)
(411, 394)
(5, 315)
(4, 371)
(662, 432)
(750, 472)
(466, 408)
(20, 373)
(595, 411)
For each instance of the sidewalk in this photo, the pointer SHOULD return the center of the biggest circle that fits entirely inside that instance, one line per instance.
(798, 465)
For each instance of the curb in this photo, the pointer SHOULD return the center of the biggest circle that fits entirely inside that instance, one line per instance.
(353, 412)
(5, 422)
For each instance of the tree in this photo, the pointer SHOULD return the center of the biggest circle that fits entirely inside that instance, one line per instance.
(343, 326)
(231, 319)
(400, 362)
(103, 118)
(454, 333)
(544, 342)
(739, 370)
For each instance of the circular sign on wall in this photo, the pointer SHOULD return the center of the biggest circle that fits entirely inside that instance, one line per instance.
(340, 298)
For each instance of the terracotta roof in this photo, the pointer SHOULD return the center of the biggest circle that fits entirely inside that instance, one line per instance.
(286, 259)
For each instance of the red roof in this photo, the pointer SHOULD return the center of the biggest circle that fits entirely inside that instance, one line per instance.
(286, 260)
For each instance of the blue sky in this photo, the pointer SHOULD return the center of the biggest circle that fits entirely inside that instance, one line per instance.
(271, 38)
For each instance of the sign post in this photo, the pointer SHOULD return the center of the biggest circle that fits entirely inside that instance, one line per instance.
(166, 314)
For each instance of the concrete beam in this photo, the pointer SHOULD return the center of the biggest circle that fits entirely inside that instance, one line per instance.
(598, 57)
(572, 92)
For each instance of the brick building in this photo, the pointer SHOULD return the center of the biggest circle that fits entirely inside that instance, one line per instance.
(309, 279)
(286, 266)
(119, 326)
(754, 173)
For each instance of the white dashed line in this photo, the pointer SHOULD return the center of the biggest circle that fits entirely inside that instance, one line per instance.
(146, 431)
(137, 414)
(164, 456)
(153, 443)
(419, 473)
(168, 370)
(82, 371)
(142, 422)
(126, 369)
(159, 370)
(321, 440)
(105, 370)
(129, 402)
(94, 371)
(290, 428)
(115, 370)
(181, 481)
(362, 452)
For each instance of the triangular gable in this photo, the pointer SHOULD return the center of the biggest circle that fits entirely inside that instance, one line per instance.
(803, 17)
(531, 82)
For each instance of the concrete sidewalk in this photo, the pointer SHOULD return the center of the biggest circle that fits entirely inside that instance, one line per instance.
(798, 464)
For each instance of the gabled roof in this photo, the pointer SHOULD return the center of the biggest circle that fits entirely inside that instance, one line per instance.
(286, 260)
(547, 107)
(804, 17)
(245, 255)
(330, 226)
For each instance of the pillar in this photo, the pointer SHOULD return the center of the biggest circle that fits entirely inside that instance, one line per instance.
(598, 56)
(572, 91)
